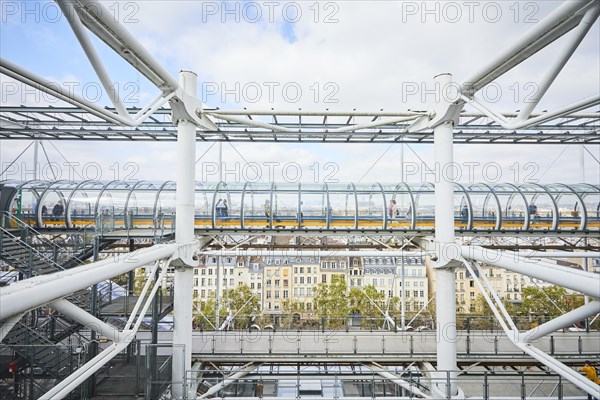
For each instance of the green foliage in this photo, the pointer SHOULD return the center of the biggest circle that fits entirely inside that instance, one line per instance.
(550, 301)
(291, 310)
(482, 308)
(331, 301)
(240, 301)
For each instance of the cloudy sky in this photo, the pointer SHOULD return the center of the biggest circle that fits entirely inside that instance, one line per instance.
(339, 55)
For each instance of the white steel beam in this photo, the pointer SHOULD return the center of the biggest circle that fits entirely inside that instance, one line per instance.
(312, 253)
(14, 71)
(559, 22)
(9, 324)
(68, 9)
(379, 370)
(71, 310)
(63, 388)
(582, 29)
(559, 254)
(34, 292)
(239, 374)
(252, 123)
(516, 338)
(565, 320)
(570, 278)
(100, 21)
(444, 238)
(184, 234)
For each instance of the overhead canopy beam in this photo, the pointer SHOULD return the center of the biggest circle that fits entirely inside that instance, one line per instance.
(559, 22)
(101, 23)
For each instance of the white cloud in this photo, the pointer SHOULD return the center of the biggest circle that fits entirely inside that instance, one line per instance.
(365, 60)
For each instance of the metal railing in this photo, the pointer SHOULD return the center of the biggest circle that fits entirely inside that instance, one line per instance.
(364, 383)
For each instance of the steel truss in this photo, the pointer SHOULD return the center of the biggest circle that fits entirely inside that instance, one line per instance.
(444, 118)
(70, 123)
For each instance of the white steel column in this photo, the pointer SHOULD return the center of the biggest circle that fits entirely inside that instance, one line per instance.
(444, 240)
(184, 234)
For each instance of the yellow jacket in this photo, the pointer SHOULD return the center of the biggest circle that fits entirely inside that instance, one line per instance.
(590, 372)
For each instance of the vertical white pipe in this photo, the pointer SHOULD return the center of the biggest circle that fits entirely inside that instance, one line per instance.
(184, 233)
(444, 238)
(402, 296)
(218, 291)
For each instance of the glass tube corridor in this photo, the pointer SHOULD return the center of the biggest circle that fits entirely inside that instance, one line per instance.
(258, 206)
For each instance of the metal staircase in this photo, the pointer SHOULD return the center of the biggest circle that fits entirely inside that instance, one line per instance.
(55, 361)
(46, 344)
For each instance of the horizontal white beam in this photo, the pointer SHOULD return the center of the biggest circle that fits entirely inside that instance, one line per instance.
(77, 314)
(312, 253)
(580, 281)
(560, 254)
(561, 322)
(34, 292)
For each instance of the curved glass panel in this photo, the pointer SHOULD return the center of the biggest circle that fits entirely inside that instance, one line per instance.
(257, 206)
(425, 206)
(462, 209)
(591, 201)
(24, 204)
(55, 201)
(371, 206)
(540, 206)
(82, 204)
(314, 206)
(287, 212)
(227, 205)
(514, 207)
(485, 208)
(111, 205)
(569, 206)
(399, 207)
(342, 206)
(140, 206)
(137, 205)
(164, 210)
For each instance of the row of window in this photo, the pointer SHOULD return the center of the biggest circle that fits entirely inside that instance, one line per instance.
(390, 261)
(209, 281)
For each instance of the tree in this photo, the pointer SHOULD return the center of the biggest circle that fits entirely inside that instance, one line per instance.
(331, 301)
(482, 307)
(241, 302)
(550, 301)
(291, 310)
(208, 311)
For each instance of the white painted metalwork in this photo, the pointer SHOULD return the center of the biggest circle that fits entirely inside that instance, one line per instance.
(439, 123)
(379, 370)
(71, 123)
(184, 235)
(574, 279)
(8, 324)
(524, 341)
(444, 236)
(34, 292)
(240, 373)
